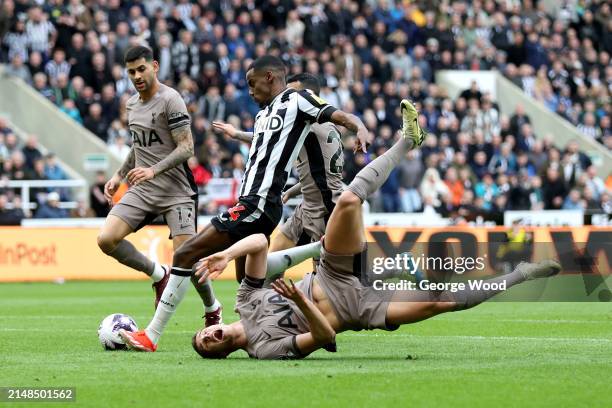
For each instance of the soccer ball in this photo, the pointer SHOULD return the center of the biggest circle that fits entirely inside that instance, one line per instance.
(108, 332)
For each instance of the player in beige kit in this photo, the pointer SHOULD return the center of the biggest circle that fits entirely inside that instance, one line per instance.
(156, 168)
(292, 321)
(319, 166)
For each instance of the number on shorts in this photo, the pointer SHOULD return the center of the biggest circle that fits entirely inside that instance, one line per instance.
(333, 162)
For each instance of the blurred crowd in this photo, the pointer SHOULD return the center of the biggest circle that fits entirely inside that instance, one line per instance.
(369, 55)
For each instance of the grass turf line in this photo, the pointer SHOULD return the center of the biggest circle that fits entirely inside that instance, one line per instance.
(501, 354)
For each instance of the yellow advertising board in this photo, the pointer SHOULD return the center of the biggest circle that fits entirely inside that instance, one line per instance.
(48, 254)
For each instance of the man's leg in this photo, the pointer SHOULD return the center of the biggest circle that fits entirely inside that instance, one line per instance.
(413, 306)
(344, 234)
(279, 261)
(280, 242)
(205, 243)
(111, 241)
(212, 308)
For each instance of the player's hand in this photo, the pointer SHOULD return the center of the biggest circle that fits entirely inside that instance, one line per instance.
(140, 174)
(290, 292)
(285, 198)
(225, 128)
(362, 140)
(212, 266)
(110, 188)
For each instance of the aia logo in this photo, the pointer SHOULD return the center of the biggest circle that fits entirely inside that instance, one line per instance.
(144, 138)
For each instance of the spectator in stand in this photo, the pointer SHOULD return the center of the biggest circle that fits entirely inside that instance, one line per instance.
(573, 201)
(18, 69)
(50, 208)
(454, 185)
(58, 65)
(99, 203)
(200, 174)
(70, 109)
(82, 210)
(52, 169)
(8, 215)
(118, 147)
(554, 189)
(95, 122)
(487, 190)
(40, 31)
(31, 151)
(410, 173)
(432, 187)
(40, 84)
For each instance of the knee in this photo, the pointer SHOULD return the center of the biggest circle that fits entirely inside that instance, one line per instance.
(348, 200)
(107, 243)
(183, 255)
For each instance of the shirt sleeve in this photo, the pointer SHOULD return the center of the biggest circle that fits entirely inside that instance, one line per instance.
(176, 112)
(279, 349)
(317, 109)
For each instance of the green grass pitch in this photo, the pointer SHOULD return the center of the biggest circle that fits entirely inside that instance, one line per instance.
(497, 354)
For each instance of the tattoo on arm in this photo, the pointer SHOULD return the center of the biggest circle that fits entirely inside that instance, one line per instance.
(246, 137)
(348, 120)
(183, 151)
(128, 164)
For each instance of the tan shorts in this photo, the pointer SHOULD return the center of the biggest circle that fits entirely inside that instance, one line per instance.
(179, 212)
(301, 228)
(358, 307)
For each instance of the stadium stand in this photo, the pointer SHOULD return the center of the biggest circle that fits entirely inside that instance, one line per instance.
(369, 55)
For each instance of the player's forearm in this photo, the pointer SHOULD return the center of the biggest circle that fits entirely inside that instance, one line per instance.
(246, 137)
(128, 164)
(179, 155)
(246, 246)
(294, 191)
(348, 120)
(322, 332)
(182, 152)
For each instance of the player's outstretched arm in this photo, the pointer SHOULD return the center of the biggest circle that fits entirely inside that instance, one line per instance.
(321, 332)
(254, 247)
(231, 131)
(111, 186)
(354, 124)
(292, 192)
(183, 151)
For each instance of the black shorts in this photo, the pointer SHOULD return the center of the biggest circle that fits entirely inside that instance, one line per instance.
(245, 219)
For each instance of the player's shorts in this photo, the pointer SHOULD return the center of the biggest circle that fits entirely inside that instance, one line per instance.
(179, 212)
(357, 307)
(301, 228)
(245, 219)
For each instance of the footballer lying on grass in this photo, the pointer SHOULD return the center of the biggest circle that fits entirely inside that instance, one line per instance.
(292, 321)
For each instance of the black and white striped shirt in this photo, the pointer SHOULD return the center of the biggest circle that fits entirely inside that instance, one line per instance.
(39, 35)
(280, 131)
(53, 69)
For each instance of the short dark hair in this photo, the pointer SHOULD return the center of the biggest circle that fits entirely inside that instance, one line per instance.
(207, 354)
(309, 81)
(137, 52)
(268, 62)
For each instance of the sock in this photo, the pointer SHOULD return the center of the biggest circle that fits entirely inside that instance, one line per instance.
(374, 175)
(280, 261)
(128, 255)
(158, 272)
(171, 298)
(206, 292)
(216, 305)
(467, 298)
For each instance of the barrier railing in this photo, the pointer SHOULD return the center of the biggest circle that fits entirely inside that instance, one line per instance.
(26, 185)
